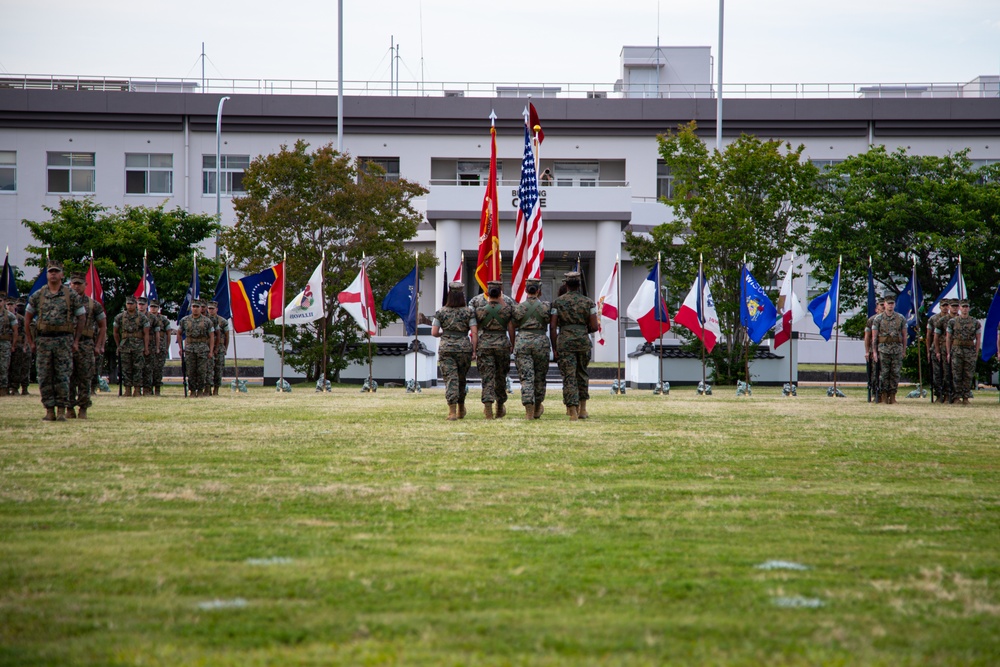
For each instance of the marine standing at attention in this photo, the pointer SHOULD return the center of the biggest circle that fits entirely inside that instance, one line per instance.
(59, 313)
(574, 317)
(889, 339)
(496, 332)
(532, 348)
(8, 340)
(85, 357)
(196, 342)
(453, 324)
(965, 338)
(131, 332)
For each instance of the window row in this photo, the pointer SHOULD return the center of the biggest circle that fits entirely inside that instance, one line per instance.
(72, 173)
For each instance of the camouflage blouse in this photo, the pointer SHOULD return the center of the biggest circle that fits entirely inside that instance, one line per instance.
(455, 324)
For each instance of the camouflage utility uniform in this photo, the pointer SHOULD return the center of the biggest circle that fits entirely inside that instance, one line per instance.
(937, 363)
(8, 325)
(493, 353)
(963, 337)
(221, 345)
(20, 357)
(196, 332)
(160, 356)
(84, 359)
(531, 349)
(941, 335)
(887, 332)
(455, 350)
(130, 328)
(55, 314)
(572, 311)
(149, 360)
(873, 378)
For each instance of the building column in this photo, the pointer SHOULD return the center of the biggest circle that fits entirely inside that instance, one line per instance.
(447, 238)
(608, 248)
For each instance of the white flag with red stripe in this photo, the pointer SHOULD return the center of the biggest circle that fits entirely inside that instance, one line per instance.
(790, 310)
(359, 302)
(528, 248)
(607, 302)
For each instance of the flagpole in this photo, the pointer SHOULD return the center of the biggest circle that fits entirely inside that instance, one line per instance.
(701, 314)
(618, 319)
(746, 328)
(916, 319)
(416, 332)
(145, 271)
(322, 283)
(836, 322)
(791, 295)
(659, 325)
(368, 324)
(284, 267)
(232, 328)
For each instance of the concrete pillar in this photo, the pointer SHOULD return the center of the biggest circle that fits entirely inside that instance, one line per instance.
(447, 238)
(607, 249)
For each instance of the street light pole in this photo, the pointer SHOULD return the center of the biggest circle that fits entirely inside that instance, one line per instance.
(718, 100)
(218, 174)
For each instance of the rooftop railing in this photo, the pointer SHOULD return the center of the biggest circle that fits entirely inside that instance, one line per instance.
(984, 86)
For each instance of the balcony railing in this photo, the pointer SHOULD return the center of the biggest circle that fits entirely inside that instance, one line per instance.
(986, 86)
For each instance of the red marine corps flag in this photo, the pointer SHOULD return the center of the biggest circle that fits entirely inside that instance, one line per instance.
(488, 264)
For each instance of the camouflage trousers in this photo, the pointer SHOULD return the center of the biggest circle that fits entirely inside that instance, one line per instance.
(197, 361)
(83, 374)
(576, 380)
(454, 369)
(949, 377)
(95, 381)
(890, 357)
(494, 365)
(159, 360)
(148, 364)
(937, 375)
(874, 379)
(963, 370)
(54, 366)
(217, 368)
(133, 361)
(4, 362)
(19, 371)
(531, 356)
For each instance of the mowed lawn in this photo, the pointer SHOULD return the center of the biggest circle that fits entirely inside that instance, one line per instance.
(364, 529)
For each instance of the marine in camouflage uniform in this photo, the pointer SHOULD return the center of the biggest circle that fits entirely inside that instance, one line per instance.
(83, 360)
(532, 348)
(493, 351)
(221, 345)
(20, 357)
(59, 312)
(965, 338)
(574, 316)
(159, 355)
(873, 375)
(889, 341)
(196, 341)
(149, 358)
(453, 324)
(131, 331)
(8, 339)
(936, 352)
(948, 313)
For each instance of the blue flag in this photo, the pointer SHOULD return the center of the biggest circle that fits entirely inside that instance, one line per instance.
(908, 304)
(872, 305)
(147, 287)
(8, 286)
(954, 290)
(824, 307)
(193, 292)
(40, 282)
(990, 330)
(757, 313)
(222, 295)
(402, 300)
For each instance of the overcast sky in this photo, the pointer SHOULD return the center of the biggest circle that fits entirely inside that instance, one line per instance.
(538, 41)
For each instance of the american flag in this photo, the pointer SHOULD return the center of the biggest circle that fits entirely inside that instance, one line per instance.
(528, 249)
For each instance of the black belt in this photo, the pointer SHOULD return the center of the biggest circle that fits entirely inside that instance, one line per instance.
(53, 334)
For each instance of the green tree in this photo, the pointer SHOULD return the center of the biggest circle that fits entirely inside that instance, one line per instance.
(118, 238)
(747, 201)
(300, 203)
(897, 206)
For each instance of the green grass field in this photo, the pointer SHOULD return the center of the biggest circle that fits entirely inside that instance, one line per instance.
(364, 529)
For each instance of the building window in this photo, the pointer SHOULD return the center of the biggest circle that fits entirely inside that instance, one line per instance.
(71, 173)
(389, 167)
(232, 169)
(475, 172)
(664, 181)
(8, 171)
(149, 174)
(582, 174)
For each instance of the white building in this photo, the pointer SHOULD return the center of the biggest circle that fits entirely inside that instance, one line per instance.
(129, 142)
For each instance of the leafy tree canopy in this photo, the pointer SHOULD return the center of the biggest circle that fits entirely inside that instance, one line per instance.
(300, 203)
(118, 238)
(751, 200)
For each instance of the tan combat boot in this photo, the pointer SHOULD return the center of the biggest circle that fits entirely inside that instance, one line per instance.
(965, 401)
(461, 409)
(83, 413)
(501, 410)
(215, 391)
(878, 397)
(70, 413)
(539, 409)
(60, 414)
(156, 390)
(571, 410)
(529, 411)
(50, 415)
(452, 412)
(581, 412)
(488, 410)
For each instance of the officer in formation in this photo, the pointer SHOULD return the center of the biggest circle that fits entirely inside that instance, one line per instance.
(573, 317)
(964, 340)
(454, 323)
(95, 331)
(873, 379)
(949, 310)
(889, 344)
(221, 345)
(149, 357)
(496, 335)
(160, 350)
(131, 330)
(59, 313)
(532, 348)
(937, 355)
(19, 373)
(9, 332)
(196, 342)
